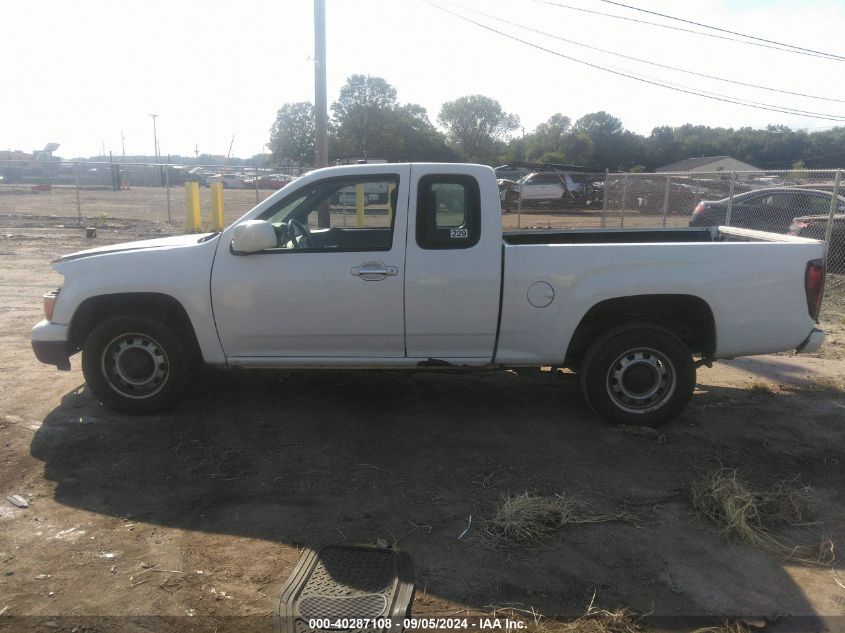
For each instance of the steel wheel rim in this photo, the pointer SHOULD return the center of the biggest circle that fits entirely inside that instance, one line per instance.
(641, 380)
(135, 365)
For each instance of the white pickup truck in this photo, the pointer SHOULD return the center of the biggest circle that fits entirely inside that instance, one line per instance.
(326, 273)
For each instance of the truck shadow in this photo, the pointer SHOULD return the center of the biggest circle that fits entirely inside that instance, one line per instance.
(351, 457)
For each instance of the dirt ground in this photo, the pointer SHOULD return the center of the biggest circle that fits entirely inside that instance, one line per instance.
(202, 512)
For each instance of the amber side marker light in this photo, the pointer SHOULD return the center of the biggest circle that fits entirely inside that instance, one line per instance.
(50, 303)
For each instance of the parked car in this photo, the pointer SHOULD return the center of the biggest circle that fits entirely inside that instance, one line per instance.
(634, 311)
(508, 172)
(557, 190)
(771, 209)
(230, 181)
(815, 226)
(647, 194)
(271, 181)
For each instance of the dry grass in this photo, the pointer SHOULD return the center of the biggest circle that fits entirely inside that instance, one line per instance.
(603, 621)
(729, 626)
(760, 388)
(594, 620)
(823, 386)
(723, 499)
(819, 387)
(527, 519)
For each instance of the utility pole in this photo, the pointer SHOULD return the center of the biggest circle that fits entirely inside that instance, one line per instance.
(155, 137)
(155, 142)
(321, 149)
(321, 152)
(123, 146)
(522, 145)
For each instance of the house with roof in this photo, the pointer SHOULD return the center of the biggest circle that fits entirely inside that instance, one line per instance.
(708, 164)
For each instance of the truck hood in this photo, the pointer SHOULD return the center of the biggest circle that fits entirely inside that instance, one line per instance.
(175, 241)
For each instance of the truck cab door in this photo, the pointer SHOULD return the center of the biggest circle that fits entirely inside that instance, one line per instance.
(332, 287)
(453, 264)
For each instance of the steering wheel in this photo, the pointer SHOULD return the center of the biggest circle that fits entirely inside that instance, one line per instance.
(298, 229)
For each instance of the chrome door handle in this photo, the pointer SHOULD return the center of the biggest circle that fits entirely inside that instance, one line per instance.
(374, 271)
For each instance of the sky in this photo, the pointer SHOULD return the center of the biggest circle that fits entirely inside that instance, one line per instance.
(82, 73)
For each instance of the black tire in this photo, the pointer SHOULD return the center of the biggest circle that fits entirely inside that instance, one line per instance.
(654, 393)
(136, 365)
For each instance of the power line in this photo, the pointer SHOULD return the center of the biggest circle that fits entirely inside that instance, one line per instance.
(716, 28)
(675, 87)
(678, 28)
(645, 61)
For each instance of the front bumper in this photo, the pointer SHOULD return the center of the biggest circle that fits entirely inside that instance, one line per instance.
(812, 343)
(49, 342)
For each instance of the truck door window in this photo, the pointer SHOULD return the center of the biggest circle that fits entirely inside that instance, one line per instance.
(448, 212)
(338, 214)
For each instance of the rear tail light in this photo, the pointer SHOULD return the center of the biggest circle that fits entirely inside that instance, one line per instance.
(814, 287)
(699, 209)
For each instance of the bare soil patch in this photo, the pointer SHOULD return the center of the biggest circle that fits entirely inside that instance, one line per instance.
(202, 512)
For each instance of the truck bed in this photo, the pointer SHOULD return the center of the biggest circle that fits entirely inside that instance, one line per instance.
(645, 236)
(610, 236)
(752, 281)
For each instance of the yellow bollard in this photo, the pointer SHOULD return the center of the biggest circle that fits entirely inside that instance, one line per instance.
(359, 204)
(192, 207)
(217, 206)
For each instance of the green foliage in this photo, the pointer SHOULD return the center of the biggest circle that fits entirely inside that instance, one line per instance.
(476, 127)
(293, 134)
(549, 138)
(369, 122)
(362, 116)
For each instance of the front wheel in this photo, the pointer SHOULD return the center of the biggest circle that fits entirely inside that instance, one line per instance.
(136, 365)
(639, 375)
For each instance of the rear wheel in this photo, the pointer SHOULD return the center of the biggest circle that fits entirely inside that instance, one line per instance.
(136, 365)
(638, 375)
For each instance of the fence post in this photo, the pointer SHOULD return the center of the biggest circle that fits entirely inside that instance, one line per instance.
(666, 198)
(604, 198)
(624, 200)
(390, 189)
(519, 208)
(834, 206)
(78, 206)
(216, 189)
(730, 199)
(167, 185)
(359, 206)
(255, 180)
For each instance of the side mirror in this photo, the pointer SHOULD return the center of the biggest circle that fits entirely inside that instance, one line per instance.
(253, 236)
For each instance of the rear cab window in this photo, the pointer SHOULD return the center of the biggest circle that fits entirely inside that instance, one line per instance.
(448, 212)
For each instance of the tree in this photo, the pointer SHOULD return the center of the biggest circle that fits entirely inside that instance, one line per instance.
(548, 137)
(608, 139)
(476, 125)
(293, 134)
(417, 138)
(362, 114)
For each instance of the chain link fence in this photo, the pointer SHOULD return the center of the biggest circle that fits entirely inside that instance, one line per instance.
(90, 191)
(807, 203)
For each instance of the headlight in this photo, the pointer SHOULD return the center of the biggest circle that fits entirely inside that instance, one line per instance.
(50, 303)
